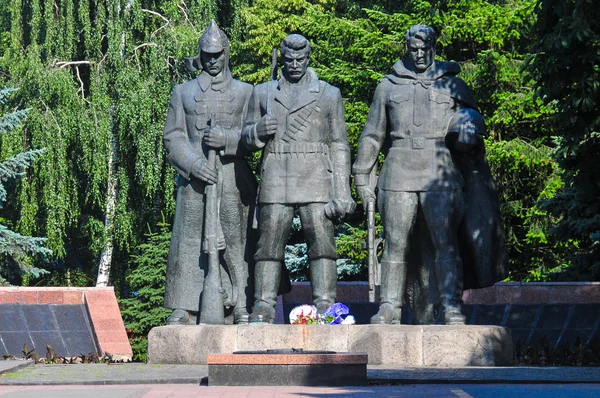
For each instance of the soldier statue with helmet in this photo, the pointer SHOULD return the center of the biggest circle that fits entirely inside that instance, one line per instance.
(207, 114)
(435, 194)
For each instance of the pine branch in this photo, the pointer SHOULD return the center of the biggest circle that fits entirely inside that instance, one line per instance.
(11, 167)
(5, 93)
(15, 244)
(12, 120)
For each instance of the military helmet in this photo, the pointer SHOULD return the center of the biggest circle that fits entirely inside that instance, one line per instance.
(465, 130)
(464, 117)
(213, 40)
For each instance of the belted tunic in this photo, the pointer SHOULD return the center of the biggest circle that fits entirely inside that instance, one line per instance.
(308, 159)
(408, 120)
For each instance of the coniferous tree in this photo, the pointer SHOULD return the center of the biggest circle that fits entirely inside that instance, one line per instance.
(16, 250)
(143, 309)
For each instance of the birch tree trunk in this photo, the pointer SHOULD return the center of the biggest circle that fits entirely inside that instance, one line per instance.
(106, 255)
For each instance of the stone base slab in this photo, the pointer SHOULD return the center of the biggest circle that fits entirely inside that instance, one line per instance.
(339, 369)
(287, 375)
(395, 345)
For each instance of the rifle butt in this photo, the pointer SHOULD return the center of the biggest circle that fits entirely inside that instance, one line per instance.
(212, 308)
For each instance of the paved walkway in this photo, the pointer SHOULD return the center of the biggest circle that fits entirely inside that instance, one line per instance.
(23, 379)
(404, 391)
(19, 373)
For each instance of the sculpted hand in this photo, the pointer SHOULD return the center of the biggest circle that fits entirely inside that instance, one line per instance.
(339, 208)
(205, 172)
(215, 137)
(366, 194)
(266, 127)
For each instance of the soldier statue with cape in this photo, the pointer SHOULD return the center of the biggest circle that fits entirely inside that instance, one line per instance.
(436, 197)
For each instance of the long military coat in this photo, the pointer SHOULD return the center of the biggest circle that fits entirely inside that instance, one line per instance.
(308, 159)
(191, 105)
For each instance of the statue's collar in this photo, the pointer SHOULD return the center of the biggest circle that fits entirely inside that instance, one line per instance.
(310, 78)
(217, 83)
(404, 68)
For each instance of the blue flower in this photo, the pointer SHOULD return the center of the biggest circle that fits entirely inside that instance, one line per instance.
(336, 311)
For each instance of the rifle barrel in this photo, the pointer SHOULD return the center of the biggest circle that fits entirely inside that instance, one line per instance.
(372, 254)
(212, 308)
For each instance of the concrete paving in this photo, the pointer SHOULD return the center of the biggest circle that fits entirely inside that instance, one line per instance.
(22, 373)
(404, 391)
(12, 366)
(484, 375)
(105, 374)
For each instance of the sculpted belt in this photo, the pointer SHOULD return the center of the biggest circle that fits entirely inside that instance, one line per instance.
(300, 148)
(418, 143)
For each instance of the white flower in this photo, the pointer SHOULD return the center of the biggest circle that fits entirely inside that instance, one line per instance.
(349, 320)
(303, 310)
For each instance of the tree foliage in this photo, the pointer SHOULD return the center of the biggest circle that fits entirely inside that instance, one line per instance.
(525, 174)
(96, 77)
(566, 70)
(142, 309)
(355, 44)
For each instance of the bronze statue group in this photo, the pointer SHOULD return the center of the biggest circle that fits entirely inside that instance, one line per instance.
(437, 200)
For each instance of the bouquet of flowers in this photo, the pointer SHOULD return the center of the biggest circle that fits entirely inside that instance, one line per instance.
(334, 315)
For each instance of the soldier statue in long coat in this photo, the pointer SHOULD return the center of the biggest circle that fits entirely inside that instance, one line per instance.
(298, 122)
(424, 119)
(204, 113)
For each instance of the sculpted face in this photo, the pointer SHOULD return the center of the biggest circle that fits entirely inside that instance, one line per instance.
(421, 53)
(213, 63)
(295, 64)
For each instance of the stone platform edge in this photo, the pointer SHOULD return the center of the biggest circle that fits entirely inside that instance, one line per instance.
(101, 303)
(394, 345)
(342, 358)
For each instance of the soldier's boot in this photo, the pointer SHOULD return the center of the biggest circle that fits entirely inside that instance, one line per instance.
(240, 316)
(240, 309)
(449, 273)
(453, 312)
(267, 277)
(393, 278)
(323, 279)
(181, 317)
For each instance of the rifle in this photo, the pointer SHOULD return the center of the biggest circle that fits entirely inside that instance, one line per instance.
(212, 307)
(374, 266)
(372, 241)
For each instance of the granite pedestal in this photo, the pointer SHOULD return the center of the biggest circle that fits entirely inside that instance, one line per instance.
(287, 369)
(398, 345)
